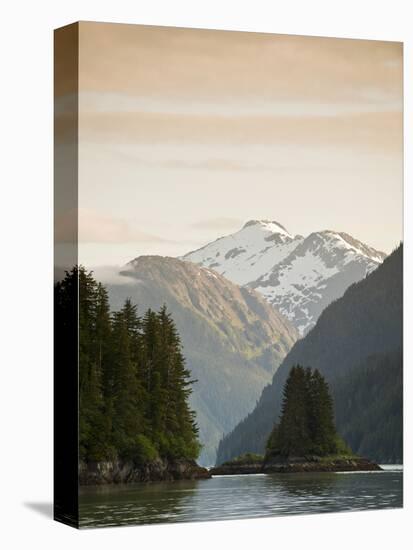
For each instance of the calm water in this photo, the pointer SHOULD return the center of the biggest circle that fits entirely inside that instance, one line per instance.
(237, 497)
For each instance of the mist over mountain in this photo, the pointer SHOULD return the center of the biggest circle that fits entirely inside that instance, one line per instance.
(233, 340)
(299, 276)
(356, 344)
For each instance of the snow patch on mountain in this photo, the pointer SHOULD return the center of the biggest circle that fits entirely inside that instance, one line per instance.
(299, 276)
(247, 254)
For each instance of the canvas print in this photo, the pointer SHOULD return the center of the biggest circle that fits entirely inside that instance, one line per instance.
(228, 292)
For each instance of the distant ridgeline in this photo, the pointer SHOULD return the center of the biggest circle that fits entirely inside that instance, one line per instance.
(133, 384)
(357, 346)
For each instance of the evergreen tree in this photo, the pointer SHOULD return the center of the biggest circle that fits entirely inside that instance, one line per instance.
(151, 371)
(134, 386)
(126, 420)
(293, 432)
(178, 417)
(92, 421)
(321, 416)
(306, 423)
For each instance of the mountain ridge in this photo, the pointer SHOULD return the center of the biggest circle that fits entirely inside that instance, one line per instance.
(298, 275)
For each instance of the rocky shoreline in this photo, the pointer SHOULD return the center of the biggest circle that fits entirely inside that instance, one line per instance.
(112, 472)
(106, 473)
(296, 465)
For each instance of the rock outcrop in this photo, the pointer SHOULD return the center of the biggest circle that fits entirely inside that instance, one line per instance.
(279, 464)
(317, 464)
(101, 473)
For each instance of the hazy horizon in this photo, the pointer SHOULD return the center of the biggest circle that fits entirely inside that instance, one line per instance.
(164, 246)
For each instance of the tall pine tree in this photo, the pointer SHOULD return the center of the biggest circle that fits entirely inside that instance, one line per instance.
(92, 422)
(321, 416)
(306, 425)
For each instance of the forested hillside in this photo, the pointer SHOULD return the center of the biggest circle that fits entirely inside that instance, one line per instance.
(351, 339)
(232, 339)
(133, 382)
(369, 407)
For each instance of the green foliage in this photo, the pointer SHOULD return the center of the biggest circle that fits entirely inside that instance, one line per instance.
(246, 458)
(133, 383)
(141, 450)
(342, 448)
(306, 424)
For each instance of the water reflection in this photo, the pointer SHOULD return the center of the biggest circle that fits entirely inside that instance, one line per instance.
(230, 497)
(136, 503)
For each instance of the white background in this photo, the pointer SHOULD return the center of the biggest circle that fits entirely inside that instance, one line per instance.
(26, 271)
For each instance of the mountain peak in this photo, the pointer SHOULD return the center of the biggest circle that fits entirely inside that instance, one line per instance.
(298, 276)
(348, 243)
(247, 254)
(270, 225)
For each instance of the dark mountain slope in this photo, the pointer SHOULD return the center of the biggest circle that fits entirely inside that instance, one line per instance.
(376, 429)
(367, 320)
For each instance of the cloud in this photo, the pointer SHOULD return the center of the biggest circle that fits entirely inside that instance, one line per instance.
(210, 164)
(207, 64)
(94, 227)
(109, 274)
(375, 130)
(368, 100)
(170, 85)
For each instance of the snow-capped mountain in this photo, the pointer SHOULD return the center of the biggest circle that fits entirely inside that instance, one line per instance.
(299, 276)
(248, 254)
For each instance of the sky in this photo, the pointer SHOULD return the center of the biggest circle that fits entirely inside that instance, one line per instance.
(186, 134)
